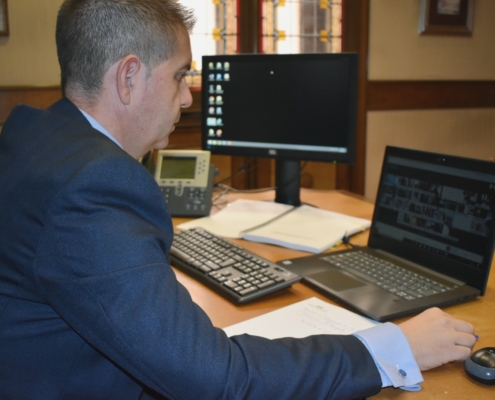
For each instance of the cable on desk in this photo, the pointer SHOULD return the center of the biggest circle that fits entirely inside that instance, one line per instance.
(347, 240)
(243, 168)
(225, 189)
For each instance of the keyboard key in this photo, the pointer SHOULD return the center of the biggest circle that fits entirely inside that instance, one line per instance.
(266, 284)
(248, 290)
(212, 265)
(228, 262)
(231, 284)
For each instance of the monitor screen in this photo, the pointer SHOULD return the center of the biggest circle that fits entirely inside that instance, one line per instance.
(291, 107)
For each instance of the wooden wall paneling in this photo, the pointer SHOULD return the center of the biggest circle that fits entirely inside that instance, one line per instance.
(319, 175)
(355, 39)
(249, 23)
(37, 97)
(223, 164)
(408, 95)
(187, 134)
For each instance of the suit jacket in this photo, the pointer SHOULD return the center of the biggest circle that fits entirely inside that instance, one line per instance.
(89, 306)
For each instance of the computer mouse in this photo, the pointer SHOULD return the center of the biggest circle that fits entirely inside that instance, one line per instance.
(481, 365)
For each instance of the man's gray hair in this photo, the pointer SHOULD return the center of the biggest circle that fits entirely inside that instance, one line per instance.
(92, 35)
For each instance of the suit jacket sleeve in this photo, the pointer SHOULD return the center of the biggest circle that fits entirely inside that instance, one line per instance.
(102, 265)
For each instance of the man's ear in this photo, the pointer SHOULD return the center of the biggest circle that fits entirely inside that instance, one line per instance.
(127, 77)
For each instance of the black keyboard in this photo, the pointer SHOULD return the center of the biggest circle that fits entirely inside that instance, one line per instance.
(230, 270)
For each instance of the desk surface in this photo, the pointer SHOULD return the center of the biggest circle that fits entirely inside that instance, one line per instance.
(446, 382)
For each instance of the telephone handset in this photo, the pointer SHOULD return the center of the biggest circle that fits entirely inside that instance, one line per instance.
(185, 178)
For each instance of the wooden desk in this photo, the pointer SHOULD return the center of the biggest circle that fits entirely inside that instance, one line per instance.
(446, 382)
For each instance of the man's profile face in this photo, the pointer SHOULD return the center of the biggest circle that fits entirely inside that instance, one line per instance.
(165, 94)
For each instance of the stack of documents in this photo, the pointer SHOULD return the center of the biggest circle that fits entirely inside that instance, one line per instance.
(303, 228)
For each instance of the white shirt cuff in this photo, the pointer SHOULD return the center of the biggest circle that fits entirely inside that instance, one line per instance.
(393, 356)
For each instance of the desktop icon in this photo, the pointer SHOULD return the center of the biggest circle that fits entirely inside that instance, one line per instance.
(219, 111)
(226, 66)
(219, 77)
(219, 132)
(219, 100)
(211, 110)
(226, 77)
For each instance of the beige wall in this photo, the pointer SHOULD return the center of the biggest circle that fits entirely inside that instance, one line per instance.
(397, 52)
(28, 56)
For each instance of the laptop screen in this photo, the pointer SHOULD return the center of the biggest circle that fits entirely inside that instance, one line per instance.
(436, 210)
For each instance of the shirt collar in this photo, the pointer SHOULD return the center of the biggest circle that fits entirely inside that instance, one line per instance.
(96, 125)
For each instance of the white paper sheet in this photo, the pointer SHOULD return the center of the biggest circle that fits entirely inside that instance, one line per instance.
(308, 317)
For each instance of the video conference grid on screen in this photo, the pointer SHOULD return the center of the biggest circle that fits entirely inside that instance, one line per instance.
(424, 207)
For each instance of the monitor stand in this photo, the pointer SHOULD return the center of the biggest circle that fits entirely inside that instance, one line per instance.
(287, 181)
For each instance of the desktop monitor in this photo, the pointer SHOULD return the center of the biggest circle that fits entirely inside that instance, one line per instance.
(291, 107)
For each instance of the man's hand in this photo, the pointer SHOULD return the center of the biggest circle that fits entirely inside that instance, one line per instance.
(437, 338)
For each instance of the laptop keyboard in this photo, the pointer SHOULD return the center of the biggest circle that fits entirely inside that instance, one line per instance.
(399, 281)
(230, 270)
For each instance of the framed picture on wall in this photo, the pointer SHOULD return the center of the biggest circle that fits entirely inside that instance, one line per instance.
(4, 18)
(446, 17)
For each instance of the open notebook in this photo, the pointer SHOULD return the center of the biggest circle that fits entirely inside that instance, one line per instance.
(433, 219)
(303, 228)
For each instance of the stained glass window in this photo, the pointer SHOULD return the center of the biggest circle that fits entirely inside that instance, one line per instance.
(302, 26)
(288, 26)
(215, 32)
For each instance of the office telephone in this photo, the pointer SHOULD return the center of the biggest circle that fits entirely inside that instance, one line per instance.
(185, 178)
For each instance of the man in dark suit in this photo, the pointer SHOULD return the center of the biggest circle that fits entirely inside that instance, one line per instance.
(89, 306)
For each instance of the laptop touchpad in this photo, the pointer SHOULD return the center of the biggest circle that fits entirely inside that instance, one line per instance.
(335, 280)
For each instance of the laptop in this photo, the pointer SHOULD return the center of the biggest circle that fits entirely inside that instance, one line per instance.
(430, 244)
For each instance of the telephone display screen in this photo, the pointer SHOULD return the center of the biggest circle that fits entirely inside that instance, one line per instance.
(178, 168)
